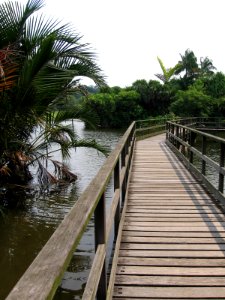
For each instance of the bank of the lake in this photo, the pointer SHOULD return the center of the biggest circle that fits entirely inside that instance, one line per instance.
(25, 230)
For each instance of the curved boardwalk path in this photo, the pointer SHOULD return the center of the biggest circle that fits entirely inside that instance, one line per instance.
(173, 235)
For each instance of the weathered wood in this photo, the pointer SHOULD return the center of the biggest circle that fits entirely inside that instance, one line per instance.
(173, 236)
(172, 240)
(174, 224)
(166, 246)
(95, 274)
(171, 261)
(172, 253)
(169, 280)
(170, 292)
(176, 229)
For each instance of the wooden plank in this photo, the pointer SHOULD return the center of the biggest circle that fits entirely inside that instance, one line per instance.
(146, 217)
(178, 202)
(168, 194)
(141, 222)
(172, 240)
(170, 292)
(184, 221)
(176, 229)
(153, 280)
(177, 214)
(174, 211)
(95, 274)
(169, 261)
(171, 253)
(175, 247)
(173, 234)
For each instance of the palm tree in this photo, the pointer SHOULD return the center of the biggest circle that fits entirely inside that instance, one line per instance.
(41, 63)
(192, 69)
(188, 64)
(206, 67)
(167, 73)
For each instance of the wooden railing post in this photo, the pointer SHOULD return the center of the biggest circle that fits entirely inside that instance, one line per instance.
(123, 162)
(177, 135)
(172, 131)
(167, 130)
(204, 145)
(192, 141)
(183, 138)
(100, 232)
(117, 186)
(221, 176)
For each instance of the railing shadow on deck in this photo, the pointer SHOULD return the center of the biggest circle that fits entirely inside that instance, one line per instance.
(206, 214)
(182, 140)
(44, 275)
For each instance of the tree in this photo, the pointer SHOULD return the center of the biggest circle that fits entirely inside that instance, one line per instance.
(192, 69)
(41, 62)
(115, 109)
(215, 85)
(167, 73)
(206, 68)
(193, 102)
(154, 96)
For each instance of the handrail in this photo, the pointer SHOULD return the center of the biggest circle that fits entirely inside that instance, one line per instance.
(44, 275)
(182, 140)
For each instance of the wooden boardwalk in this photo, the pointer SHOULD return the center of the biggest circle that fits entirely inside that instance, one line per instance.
(173, 236)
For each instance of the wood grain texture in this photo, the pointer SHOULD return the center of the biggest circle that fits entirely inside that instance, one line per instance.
(173, 238)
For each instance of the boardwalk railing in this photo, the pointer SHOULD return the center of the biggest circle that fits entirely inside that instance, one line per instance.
(192, 147)
(150, 127)
(44, 275)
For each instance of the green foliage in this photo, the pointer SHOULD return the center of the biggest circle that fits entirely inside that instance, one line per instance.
(193, 102)
(167, 73)
(127, 108)
(191, 70)
(215, 85)
(115, 109)
(155, 97)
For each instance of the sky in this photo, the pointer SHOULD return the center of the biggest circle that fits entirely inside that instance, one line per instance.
(128, 35)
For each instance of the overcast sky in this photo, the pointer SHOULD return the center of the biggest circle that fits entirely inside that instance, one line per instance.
(128, 35)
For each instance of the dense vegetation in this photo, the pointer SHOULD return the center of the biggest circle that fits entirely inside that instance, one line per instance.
(190, 88)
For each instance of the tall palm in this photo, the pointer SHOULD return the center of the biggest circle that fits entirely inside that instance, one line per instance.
(47, 68)
(206, 67)
(188, 64)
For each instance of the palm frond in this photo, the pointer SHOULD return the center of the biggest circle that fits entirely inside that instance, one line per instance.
(90, 144)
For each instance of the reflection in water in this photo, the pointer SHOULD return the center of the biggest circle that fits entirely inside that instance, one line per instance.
(25, 230)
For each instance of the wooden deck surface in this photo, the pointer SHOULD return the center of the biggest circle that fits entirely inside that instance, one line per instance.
(173, 237)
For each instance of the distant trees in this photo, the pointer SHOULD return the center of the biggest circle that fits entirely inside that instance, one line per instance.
(154, 96)
(191, 69)
(190, 88)
(115, 109)
(192, 102)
